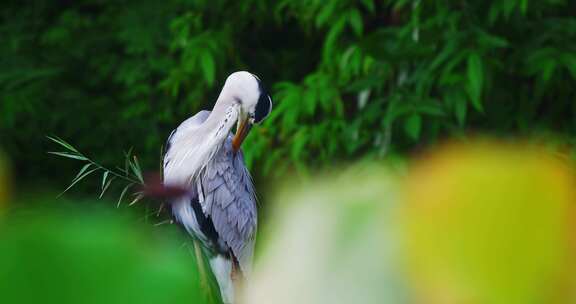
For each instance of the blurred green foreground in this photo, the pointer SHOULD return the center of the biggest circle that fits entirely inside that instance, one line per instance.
(486, 222)
(91, 257)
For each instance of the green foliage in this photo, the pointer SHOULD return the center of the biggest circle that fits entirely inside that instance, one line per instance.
(130, 175)
(350, 78)
(66, 256)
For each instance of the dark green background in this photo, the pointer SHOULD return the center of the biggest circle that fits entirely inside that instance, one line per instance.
(350, 79)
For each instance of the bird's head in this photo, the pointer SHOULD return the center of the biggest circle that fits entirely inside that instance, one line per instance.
(254, 102)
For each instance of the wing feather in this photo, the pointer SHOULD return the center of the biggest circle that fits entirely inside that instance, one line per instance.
(230, 194)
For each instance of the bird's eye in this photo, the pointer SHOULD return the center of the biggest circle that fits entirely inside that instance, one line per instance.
(263, 108)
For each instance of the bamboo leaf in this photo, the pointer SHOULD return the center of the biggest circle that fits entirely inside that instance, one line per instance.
(104, 177)
(356, 22)
(325, 13)
(122, 194)
(69, 155)
(77, 179)
(105, 187)
(63, 143)
(136, 169)
(138, 197)
(84, 168)
(127, 160)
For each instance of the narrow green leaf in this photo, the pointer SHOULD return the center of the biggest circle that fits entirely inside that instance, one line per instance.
(63, 143)
(69, 155)
(127, 157)
(77, 179)
(475, 80)
(356, 22)
(104, 177)
(138, 197)
(122, 194)
(332, 37)
(84, 168)
(325, 13)
(136, 169)
(105, 187)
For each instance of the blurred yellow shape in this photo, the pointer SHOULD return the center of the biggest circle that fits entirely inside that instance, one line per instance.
(490, 223)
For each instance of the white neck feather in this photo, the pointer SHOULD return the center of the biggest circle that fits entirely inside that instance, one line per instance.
(195, 149)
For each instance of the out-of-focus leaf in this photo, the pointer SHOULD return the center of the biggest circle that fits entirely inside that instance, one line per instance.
(475, 80)
(72, 256)
(490, 222)
(413, 125)
(356, 22)
(460, 110)
(208, 67)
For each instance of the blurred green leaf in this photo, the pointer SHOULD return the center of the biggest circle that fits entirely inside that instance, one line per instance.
(69, 256)
(208, 67)
(413, 125)
(356, 22)
(475, 80)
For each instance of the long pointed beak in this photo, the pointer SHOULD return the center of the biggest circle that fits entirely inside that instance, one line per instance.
(241, 133)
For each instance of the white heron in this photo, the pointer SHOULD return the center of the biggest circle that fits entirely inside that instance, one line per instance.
(204, 157)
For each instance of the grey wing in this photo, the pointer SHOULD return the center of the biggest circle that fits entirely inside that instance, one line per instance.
(230, 201)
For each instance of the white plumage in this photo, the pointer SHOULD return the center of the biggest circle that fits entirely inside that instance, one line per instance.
(203, 156)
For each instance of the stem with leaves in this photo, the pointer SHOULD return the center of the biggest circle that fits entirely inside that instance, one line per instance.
(131, 174)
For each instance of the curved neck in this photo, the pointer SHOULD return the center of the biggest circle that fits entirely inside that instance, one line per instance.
(223, 105)
(221, 120)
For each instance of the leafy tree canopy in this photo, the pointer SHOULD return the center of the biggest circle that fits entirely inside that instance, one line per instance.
(350, 78)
